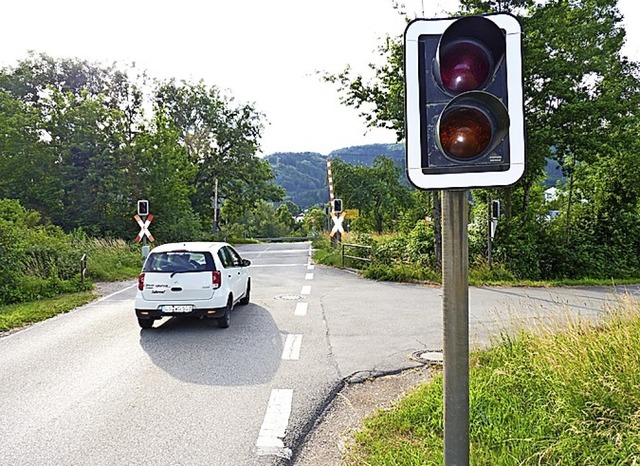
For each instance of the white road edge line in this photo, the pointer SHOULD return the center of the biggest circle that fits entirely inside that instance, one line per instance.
(113, 294)
(274, 427)
(310, 267)
(255, 266)
(301, 309)
(305, 290)
(292, 345)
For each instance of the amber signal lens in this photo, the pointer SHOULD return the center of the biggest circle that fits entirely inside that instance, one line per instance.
(465, 132)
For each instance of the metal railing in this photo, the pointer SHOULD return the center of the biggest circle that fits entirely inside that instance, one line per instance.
(356, 258)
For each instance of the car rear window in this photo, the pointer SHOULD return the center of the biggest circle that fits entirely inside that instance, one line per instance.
(179, 261)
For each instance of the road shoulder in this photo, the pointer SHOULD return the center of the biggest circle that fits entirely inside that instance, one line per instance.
(330, 437)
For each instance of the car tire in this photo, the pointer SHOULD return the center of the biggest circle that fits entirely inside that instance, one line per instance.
(247, 294)
(145, 323)
(224, 320)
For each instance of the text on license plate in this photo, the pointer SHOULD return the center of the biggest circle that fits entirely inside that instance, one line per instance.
(177, 308)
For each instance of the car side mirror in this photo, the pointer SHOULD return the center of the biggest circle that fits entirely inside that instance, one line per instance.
(246, 262)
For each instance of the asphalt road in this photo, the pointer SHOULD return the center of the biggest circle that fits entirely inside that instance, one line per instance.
(90, 387)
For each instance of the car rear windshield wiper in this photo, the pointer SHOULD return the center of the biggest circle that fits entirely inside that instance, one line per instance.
(181, 271)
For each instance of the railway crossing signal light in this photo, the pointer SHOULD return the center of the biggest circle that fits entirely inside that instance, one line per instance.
(464, 112)
(495, 209)
(143, 207)
(337, 206)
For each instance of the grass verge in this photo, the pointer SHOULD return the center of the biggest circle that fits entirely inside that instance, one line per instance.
(552, 397)
(19, 315)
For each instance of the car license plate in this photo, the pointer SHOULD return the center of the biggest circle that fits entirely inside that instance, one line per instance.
(177, 309)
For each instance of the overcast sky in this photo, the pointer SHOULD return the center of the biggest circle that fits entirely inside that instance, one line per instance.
(267, 52)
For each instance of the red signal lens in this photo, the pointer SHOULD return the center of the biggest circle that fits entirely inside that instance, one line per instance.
(464, 66)
(465, 132)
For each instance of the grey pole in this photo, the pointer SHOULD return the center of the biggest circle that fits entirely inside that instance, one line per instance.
(215, 208)
(455, 307)
(489, 237)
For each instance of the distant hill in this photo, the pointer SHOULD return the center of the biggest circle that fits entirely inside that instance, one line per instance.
(554, 174)
(304, 174)
(364, 155)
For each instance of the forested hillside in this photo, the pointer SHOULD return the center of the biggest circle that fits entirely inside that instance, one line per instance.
(304, 174)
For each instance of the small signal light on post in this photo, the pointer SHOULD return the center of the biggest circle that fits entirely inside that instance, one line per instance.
(495, 209)
(337, 206)
(143, 207)
(464, 102)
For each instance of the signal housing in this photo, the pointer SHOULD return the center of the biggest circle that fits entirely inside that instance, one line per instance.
(464, 102)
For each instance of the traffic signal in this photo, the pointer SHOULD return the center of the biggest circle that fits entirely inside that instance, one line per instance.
(337, 206)
(143, 207)
(495, 209)
(464, 112)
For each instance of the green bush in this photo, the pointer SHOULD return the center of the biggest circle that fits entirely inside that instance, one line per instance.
(39, 261)
(420, 247)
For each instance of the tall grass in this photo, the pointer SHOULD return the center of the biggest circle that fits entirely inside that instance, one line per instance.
(111, 259)
(569, 397)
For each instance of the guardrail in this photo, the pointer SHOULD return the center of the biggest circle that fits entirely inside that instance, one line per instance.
(357, 258)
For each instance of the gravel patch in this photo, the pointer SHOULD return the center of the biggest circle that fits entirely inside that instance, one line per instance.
(106, 288)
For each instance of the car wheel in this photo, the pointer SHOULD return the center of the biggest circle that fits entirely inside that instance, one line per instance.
(247, 294)
(145, 323)
(223, 322)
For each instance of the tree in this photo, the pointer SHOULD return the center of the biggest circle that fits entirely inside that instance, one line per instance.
(222, 140)
(85, 118)
(376, 191)
(28, 165)
(78, 147)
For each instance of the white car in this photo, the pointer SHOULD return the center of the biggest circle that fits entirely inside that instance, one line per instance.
(202, 279)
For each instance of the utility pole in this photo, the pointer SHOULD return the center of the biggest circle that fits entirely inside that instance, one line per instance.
(215, 208)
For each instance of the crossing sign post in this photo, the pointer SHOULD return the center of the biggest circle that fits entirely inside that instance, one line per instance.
(337, 224)
(144, 228)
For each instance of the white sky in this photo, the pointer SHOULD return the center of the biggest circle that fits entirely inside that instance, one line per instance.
(262, 51)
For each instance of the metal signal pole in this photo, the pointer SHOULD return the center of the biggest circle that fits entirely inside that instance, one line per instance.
(455, 307)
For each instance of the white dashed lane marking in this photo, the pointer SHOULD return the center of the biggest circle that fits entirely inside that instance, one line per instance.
(274, 426)
(276, 420)
(292, 344)
(301, 309)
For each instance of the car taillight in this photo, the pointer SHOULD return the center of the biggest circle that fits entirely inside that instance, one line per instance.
(141, 281)
(216, 279)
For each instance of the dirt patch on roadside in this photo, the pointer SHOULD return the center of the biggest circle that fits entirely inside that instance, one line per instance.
(329, 439)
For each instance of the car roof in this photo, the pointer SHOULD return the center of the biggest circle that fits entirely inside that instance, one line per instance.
(190, 246)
